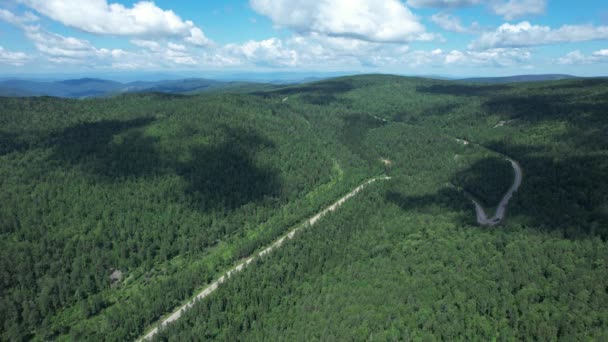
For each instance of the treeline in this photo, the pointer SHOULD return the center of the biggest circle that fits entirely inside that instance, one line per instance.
(375, 271)
(168, 190)
(172, 190)
(406, 260)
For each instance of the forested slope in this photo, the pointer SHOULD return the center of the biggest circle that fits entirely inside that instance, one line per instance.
(406, 261)
(167, 190)
(171, 190)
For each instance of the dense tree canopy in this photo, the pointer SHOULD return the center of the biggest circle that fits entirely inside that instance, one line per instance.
(172, 190)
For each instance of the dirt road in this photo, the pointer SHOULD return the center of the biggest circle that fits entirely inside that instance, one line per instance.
(213, 286)
(482, 217)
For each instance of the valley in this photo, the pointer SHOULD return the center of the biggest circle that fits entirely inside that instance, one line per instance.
(180, 192)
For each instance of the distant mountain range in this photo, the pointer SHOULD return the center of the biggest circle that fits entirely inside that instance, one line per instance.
(95, 87)
(518, 78)
(92, 87)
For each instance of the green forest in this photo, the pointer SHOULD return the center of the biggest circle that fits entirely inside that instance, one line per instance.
(115, 211)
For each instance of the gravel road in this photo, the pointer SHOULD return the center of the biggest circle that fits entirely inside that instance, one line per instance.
(213, 286)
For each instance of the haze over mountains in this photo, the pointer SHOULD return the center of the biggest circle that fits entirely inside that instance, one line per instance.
(115, 211)
(92, 87)
(97, 87)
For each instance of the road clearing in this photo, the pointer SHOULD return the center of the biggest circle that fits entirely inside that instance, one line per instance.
(278, 243)
(482, 217)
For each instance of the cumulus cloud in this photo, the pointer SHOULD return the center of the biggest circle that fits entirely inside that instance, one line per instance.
(488, 58)
(443, 3)
(62, 49)
(369, 20)
(510, 9)
(514, 9)
(170, 53)
(13, 58)
(11, 18)
(101, 17)
(499, 57)
(576, 58)
(452, 23)
(526, 34)
(147, 44)
(307, 48)
(314, 50)
(268, 52)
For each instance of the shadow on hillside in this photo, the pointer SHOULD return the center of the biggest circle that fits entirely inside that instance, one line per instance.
(110, 149)
(354, 132)
(221, 176)
(445, 199)
(322, 93)
(10, 142)
(577, 84)
(462, 89)
(586, 116)
(487, 180)
(414, 118)
(225, 176)
(564, 194)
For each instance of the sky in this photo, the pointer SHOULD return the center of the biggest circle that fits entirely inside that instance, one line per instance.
(456, 38)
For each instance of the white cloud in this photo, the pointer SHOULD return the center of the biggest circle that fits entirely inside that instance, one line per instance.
(60, 48)
(176, 47)
(171, 53)
(57, 48)
(577, 58)
(147, 44)
(178, 54)
(443, 3)
(369, 20)
(198, 38)
(513, 9)
(11, 18)
(454, 57)
(13, 58)
(269, 52)
(500, 57)
(489, 58)
(315, 50)
(452, 23)
(601, 53)
(509, 9)
(525, 34)
(100, 17)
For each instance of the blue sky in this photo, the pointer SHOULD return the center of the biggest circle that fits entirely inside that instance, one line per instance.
(413, 37)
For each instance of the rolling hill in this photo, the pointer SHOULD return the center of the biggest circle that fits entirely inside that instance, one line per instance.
(115, 211)
(91, 87)
(518, 79)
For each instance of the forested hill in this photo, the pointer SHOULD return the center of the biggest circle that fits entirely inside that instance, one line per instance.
(518, 79)
(114, 211)
(91, 87)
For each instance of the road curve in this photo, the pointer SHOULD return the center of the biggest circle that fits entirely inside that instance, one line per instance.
(213, 286)
(482, 217)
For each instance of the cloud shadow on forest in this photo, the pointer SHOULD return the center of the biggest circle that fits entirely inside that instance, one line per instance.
(462, 89)
(321, 93)
(445, 199)
(226, 175)
(11, 142)
(564, 194)
(220, 176)
(110, 149)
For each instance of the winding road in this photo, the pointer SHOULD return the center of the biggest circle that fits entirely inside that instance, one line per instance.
(278, 243)
(482, 217)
